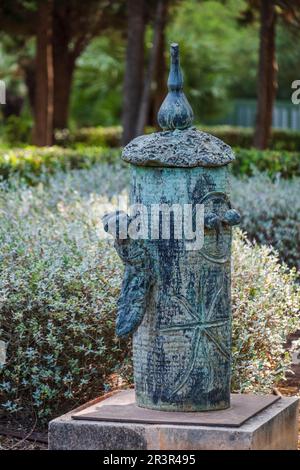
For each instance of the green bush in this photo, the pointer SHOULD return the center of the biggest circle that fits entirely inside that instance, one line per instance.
(231, 135)
(35, 163)
(271, 213)
(59, 284)
(266, 309)
(282, 139)
(273, 162)
(17, 130)
(91, 136)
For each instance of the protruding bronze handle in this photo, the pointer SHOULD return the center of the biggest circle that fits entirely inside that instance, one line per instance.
(116, 224)
(231, 217)
(213, 221)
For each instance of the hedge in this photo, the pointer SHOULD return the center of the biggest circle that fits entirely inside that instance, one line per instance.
(90, 136)
(273, 162)
(34, 163)
(17, 131)
(282, 139)
(271, 213)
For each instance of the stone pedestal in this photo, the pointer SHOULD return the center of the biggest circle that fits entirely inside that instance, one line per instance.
(115, 423)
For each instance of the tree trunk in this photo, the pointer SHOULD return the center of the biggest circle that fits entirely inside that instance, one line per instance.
(160, 74)
(266, 87)
(64, 64)
(62, 93)
(44, 97)
(28, 67)
(159, 25)
(133, 80)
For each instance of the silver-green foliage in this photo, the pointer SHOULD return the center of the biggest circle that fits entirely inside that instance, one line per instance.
(271, 213)
(58, 290)
(266, 309)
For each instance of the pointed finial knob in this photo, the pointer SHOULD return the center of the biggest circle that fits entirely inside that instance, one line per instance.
(175, 112)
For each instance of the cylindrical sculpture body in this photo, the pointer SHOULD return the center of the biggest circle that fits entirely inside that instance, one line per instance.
(181, 350)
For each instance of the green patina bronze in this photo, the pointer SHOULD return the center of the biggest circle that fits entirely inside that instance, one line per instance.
(176, 301)
(175, 112)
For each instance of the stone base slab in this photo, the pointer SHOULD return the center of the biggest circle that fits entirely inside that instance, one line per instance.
(122, 408)
(276, 427)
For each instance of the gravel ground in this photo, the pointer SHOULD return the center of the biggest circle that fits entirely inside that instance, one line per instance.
(9, 443)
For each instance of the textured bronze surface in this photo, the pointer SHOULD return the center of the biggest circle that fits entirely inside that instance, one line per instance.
(189, 148)
(175, 299)
(122, 408)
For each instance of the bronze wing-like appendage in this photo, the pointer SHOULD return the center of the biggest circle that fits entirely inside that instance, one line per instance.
(137, 279)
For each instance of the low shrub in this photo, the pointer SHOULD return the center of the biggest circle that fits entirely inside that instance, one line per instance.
(271, 213)
(59, 284)
(17, 130)
(35, 163)
(266, 309)
(273, 162)
(58, 291)
(282, 139)
(231, 135)
(285, 139)
(91, 136)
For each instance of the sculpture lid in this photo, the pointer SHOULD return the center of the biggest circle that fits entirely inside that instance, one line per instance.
(186, 148)
(179, 145)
